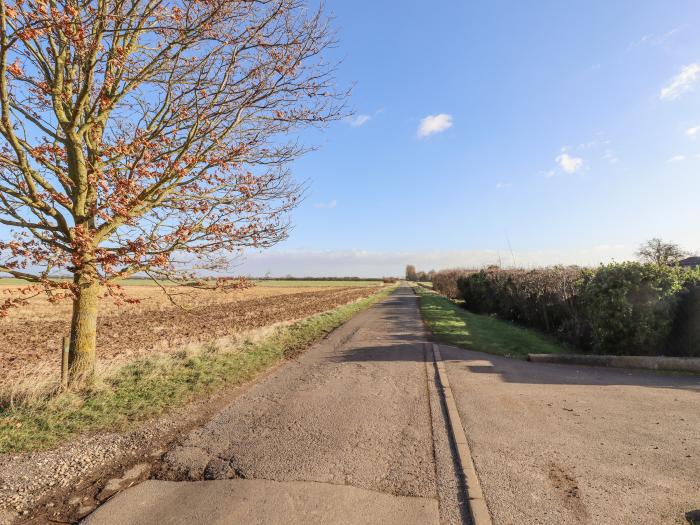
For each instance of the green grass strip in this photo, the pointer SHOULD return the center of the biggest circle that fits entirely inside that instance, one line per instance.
(148, 387)
(453, 325)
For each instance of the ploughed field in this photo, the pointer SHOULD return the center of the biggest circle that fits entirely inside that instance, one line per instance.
(30, 337)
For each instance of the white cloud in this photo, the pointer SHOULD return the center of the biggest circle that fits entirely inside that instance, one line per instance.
(434, 124)
(677, 158)
(358, 120)
(568, 163)
(503, 185)
(693, 132)
(326, 205)
(681, 83)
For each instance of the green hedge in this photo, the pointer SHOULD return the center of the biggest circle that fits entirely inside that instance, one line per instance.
(620, 308)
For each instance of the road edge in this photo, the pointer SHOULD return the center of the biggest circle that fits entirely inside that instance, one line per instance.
(638, 362)
(478, 509)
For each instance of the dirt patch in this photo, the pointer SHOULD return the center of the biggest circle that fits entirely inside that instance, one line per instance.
(568, 491)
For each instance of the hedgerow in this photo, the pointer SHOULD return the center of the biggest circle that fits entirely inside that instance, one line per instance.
(445, 281)
(619, 308)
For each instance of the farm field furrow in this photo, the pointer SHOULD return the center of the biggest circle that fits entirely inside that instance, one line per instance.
(30, 337)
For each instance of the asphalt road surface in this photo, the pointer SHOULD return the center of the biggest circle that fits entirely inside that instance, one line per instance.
(350, 432)
(354, 432)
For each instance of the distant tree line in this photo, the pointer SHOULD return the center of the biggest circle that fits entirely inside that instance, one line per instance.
(418, 276)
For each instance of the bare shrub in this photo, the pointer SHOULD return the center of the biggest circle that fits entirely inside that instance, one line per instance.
(445, 281)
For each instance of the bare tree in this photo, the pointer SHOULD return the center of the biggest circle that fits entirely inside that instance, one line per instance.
(137, 131)
(656, 251)
(411, 274)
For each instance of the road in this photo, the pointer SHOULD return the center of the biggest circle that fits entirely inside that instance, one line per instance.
(350, 432)
(354, 431)
(574, 444)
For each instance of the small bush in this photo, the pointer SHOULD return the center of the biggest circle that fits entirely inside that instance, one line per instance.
(630, 307)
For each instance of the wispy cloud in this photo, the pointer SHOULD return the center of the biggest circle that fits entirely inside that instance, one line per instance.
(681, 83)
(677, 158)
(655, 39)
(644, 40)
(569, 163)
(326, 205)
(503, 185)
(358, 120)
(693, 132)
(434, 124)
(610, 156)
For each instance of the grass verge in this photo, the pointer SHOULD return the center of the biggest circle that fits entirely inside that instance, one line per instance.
(456, 326)
(148, 387)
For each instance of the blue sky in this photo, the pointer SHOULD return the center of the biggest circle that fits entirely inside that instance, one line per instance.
(562, 132)
(519, 133)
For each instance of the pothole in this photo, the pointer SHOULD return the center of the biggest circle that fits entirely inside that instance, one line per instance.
(219, 468)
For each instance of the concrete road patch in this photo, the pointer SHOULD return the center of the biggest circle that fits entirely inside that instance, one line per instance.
(260, 502)
(644, 362)
(557, 444)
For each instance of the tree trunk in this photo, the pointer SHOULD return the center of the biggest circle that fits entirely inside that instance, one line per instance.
(83, 330)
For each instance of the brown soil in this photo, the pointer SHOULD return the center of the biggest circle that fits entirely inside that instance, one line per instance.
(568, 491)
(30, 338)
